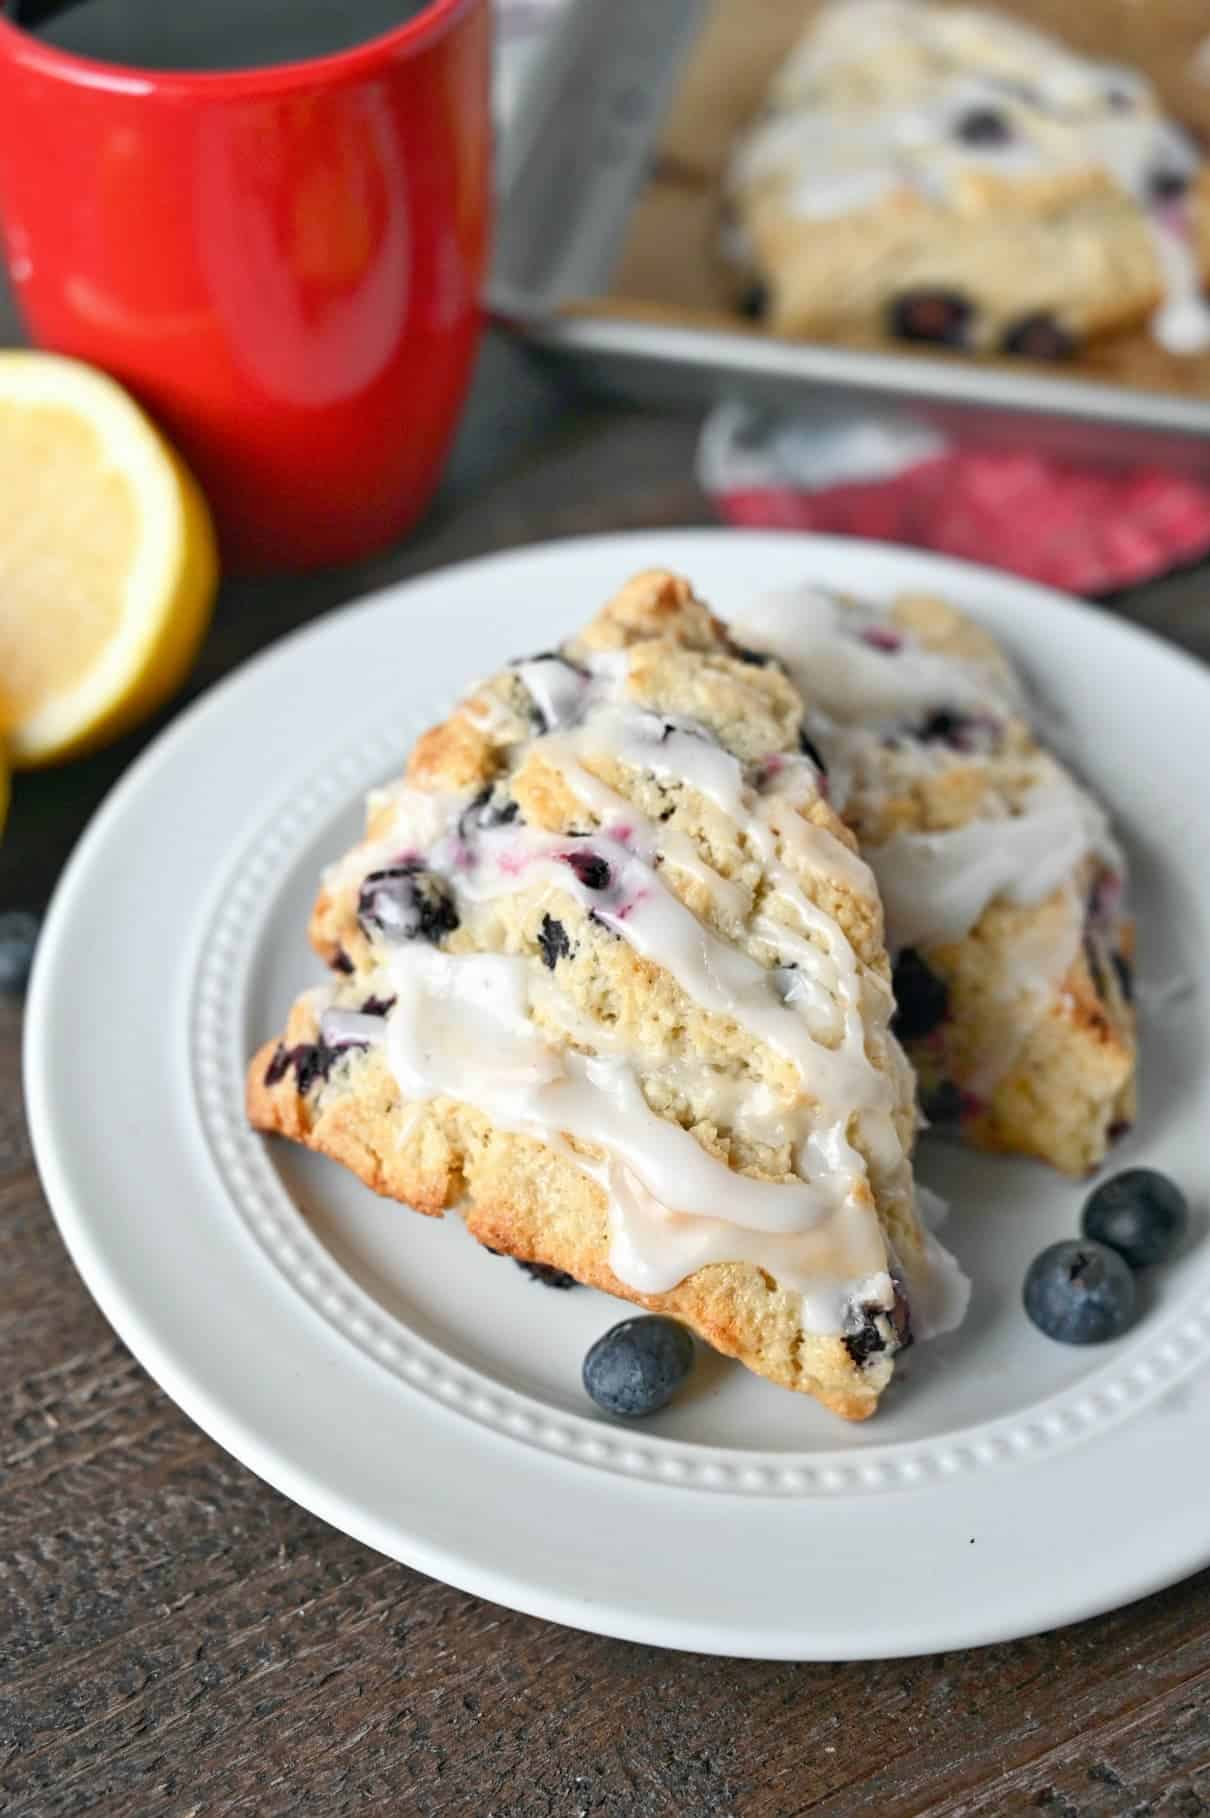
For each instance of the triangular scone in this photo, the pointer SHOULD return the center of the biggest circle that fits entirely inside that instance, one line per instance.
(610, 979)
(1002, 885)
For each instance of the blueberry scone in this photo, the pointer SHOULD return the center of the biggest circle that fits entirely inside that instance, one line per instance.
(1000, 879)
(609, 976)
(948, 175)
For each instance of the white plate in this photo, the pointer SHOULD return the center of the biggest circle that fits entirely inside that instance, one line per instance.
(423, 1395)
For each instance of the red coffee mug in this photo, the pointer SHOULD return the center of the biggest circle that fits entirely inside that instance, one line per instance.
(284, 264)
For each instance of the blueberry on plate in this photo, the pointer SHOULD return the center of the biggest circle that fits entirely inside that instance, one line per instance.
(1080, 1293)
(1139, 1213)
(18, 938)
(637, 1367)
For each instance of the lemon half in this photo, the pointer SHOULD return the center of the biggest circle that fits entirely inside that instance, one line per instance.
(107, 561)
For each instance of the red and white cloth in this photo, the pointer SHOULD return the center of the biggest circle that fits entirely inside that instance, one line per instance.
(1087, 530)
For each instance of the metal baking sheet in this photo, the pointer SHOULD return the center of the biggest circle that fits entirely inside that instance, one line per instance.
(573, 160)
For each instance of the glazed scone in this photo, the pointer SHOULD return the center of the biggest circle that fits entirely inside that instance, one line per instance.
(610, 978)
(948, 175)
(1001, 883)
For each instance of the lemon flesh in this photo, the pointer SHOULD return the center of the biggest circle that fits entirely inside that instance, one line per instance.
(107, 561)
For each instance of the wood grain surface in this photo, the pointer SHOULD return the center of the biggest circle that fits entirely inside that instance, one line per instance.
(177, 1639)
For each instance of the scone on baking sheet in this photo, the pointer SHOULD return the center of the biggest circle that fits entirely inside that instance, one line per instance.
(609, 976)
(1000, 879)
(949, 175)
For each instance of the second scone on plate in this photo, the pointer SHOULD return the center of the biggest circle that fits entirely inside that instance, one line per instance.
(609, 977)
(1002, 883)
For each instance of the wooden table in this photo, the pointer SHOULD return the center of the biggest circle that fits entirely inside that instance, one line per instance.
(176, 1638)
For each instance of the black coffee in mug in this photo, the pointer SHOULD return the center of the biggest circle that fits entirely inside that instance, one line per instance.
(208, 34)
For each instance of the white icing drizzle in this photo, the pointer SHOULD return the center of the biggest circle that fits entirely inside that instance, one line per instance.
(903, 76)
(938, 1289)
(934, 886)
(558, 690)
(350, 1028)
(637, 906)
(1182, 324)
(418, 819)
(464, 1025)
(638, 833)
(821, 640)
(460, 1030)
(668, 748)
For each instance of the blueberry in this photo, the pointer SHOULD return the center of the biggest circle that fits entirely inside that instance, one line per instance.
(18, 938)
(550, 1278)
(487, 811)
(960, 731)
(921, 998)
(942, 727)
(1080, 1293)
(342, 962)
(939, 316)
(1039, 337)
(809, 749)
(589, 867)
(984, 126)
(1140, 1213)
(871, 1330)
(310, 1061)
(406, 903)
(552, 939)
(943, 1103)
(1167, 185)
(755, 301)
(637, 1367)
(377, 1006)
